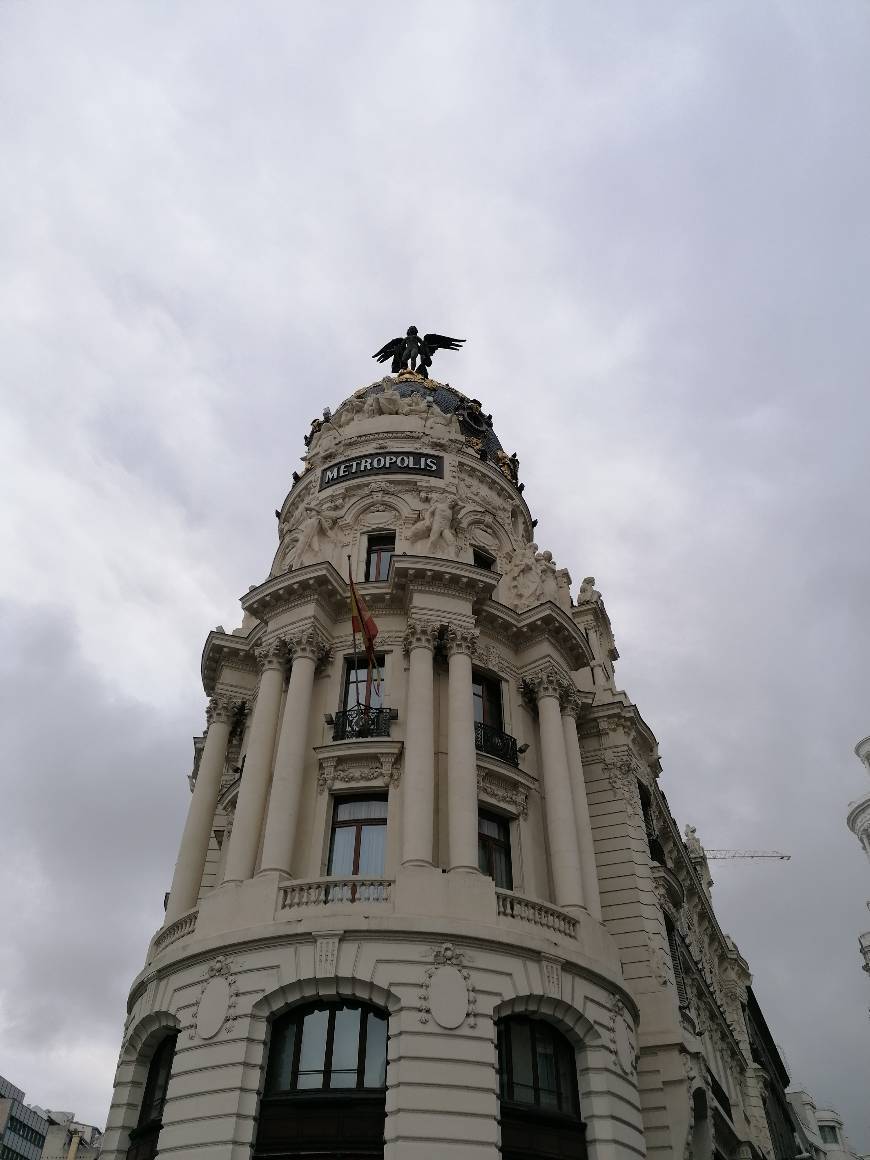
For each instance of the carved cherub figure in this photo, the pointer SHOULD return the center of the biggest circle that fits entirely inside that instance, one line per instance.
(318, 525)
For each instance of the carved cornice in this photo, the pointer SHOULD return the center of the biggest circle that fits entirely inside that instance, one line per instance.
(223, 648)
(319, 584)
(544, 622)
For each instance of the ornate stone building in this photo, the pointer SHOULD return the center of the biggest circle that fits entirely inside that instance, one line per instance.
(858, 821)
(459, 920)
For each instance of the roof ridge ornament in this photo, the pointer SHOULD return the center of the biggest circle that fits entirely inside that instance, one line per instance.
(405, 352)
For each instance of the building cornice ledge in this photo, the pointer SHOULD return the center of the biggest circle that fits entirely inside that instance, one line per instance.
(320, 583)
(221, 647)
(544, 620)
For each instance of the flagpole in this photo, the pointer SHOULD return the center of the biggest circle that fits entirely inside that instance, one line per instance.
(353, 611)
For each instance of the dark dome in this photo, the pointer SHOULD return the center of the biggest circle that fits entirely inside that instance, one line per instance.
(472, 420)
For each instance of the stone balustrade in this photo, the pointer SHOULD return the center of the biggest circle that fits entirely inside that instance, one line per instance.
(323, 891)
(176, 930)
(512, 905)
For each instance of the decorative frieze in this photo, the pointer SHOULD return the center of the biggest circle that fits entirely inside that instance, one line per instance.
(507, 793)
(365, 770)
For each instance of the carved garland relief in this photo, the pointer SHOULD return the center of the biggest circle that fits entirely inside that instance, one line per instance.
(447, 991)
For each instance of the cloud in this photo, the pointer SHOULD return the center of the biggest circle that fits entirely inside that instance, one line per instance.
(650, 225)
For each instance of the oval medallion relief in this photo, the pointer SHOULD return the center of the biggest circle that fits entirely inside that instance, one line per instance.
(213, 1007)
(448, 997)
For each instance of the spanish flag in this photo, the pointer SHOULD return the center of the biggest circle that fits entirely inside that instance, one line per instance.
(363, 622)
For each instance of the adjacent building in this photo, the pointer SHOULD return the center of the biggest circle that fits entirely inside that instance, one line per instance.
(22, 1129)
(437, 906)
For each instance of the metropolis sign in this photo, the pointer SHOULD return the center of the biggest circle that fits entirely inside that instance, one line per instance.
(396, 463)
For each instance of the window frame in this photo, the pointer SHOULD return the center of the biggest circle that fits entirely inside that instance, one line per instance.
(478, 555)
(297, 1018)
(348, 685)
(488, 842)
(337, 823)
(491, 696)
(505, 1068)
(375, 555)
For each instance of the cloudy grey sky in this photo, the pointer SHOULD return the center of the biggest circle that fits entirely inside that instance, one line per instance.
(650, 221)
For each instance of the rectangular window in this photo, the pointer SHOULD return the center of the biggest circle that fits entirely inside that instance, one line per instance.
(358, 842)
(379, 552)
(829, 1134)
(487, 700)
(482, 559)
(358, 682)
(494, 849)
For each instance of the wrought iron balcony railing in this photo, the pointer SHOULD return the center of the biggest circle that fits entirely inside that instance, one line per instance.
(495, 743)
(358, 721)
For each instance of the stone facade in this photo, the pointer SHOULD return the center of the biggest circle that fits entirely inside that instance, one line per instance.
(606, 931)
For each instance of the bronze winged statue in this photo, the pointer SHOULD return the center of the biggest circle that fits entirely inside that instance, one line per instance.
(406, 351)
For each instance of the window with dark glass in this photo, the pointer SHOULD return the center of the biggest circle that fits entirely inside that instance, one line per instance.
(677, 963)
(379, 552)
(360, 682)
(487, 700)
(143, 1138)
(482, 559)
(358, 840)
(540, 1106)
(828, 1134)
(494, 848)
(325, 1083)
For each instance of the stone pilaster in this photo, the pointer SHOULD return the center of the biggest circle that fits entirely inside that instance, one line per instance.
(418, 794)
(254, 788)
(461, 753)
(200, 815)
(306, 648)
(547, 683)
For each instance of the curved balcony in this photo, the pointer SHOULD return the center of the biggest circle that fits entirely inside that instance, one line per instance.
(328, 891)
(495, 743)
(510, 905)
(176, 930)
(361, 721)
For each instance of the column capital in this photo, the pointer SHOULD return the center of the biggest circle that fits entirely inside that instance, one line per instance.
(570, 701)
(545, 679)
(420, 634)
(309, 643)
(271, 654)
(223, 707)
(462, 640)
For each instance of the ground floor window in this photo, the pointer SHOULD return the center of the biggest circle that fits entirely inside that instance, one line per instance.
(325, 1085)
(539, 1105)
(143, 1138)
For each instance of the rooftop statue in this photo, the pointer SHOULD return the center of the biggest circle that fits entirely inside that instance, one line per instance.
(405, 352)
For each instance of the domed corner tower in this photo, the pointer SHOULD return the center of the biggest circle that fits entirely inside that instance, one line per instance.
(384, 935)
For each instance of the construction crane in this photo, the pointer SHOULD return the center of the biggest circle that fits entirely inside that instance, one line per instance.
(721, 855)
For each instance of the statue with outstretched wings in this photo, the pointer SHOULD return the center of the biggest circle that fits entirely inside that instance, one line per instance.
(406, 352)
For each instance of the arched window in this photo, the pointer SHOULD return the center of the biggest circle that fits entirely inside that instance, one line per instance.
(143, 1138)
(540, 1107)
(325, 1088)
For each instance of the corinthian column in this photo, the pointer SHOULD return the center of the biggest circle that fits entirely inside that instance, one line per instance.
(461, 753)
(588, 868)
(418, 793)
(558, 799)
(187, 878)
(254, 787)
(287, 779)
